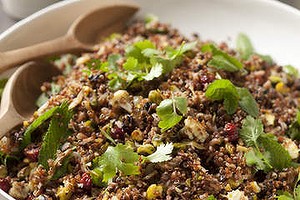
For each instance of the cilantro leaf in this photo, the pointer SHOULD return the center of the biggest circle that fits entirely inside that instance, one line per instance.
(171, 111)
(57, 131)
(223, 90)
(251, 130)
(161, 154)
(35, 124)
(244, 46)
(137, 48)
(285, 196)
(119, 158)
(155, 72)
(279, 158)
(267, 153)
(256, 158)
(221, 60)
(211, 197)
(247, 102)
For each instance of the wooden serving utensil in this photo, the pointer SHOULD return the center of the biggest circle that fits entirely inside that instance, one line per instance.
(83, 35)
(21, 92)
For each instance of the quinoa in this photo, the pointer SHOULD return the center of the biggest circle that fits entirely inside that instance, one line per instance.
(208, 156)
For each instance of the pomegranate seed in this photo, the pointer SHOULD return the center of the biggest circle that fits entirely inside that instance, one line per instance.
(206, 79)
(117, 132)
(4, 184)
(86, 181)
(232, 132)
(32, 152)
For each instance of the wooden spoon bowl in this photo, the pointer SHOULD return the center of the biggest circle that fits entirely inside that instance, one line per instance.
(21, 92)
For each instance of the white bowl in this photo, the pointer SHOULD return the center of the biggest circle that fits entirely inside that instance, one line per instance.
(272, 26)
(20, 9)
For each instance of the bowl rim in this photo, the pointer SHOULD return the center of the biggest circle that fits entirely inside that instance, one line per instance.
(61, 4)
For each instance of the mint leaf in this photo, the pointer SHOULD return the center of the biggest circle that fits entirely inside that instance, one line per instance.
(294, 129)
(161, 154)
(221, 60)
(223, 90)
(251, 130)
(291, 70)
(119, 158)
(247, 102)
(279, 158)
(63, 169)
(244, 46)
(35, 124)
(57, 131)
(171, 111)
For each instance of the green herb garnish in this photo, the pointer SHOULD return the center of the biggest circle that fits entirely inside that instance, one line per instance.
(57, 131)
(221, 60)
(288, 196)
(161, 154)
(246, 49)
(267, 153)
(35, 124)
(232, 96)
(120, 158)
(294, 129)
(144, 63)
(244, 46)
(171, 111)
(211, 197)
(291, 70)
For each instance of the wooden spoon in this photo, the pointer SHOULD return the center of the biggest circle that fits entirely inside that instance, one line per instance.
(82, 35)
(21, 92)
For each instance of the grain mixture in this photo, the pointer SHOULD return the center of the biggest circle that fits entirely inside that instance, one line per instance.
(154, 115)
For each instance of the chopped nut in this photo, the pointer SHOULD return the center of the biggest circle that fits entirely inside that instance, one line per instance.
(195, 129)
(146, 149)
(154, 191)
(236, 195)
(291, 147)
(121, 99)
(137, 135)
(19, 190)
(255, 187)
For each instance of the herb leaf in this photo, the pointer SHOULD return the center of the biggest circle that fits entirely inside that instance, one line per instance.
(119, 158)
(267, 152)
(58, 130)
(255, 158)
(35, 124)
(221, 60)
(211, 197)
(278, 157)
(223, 90)
(244, 46)
(247, 102)
(161, 154)
(294, 129)
(171, 111)
(251, 130)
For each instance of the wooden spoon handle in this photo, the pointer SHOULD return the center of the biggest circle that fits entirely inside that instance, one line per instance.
(66, 44)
